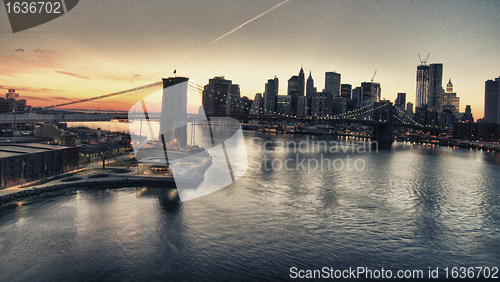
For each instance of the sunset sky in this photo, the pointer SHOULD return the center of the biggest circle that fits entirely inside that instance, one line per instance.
(107, 46)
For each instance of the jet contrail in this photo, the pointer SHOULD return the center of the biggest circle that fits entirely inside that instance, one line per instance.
(240, 26)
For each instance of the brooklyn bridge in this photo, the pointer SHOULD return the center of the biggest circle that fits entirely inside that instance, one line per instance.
(382, 116)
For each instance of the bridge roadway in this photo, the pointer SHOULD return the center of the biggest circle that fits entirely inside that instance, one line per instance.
(82, 116)
(382, 130)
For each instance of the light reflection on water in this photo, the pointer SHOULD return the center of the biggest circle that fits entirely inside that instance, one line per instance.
(412, 207)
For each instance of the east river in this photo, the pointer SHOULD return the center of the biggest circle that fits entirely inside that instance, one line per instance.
(407, 207)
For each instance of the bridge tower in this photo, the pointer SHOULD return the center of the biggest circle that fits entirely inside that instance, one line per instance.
(173, 118)
(382, 133)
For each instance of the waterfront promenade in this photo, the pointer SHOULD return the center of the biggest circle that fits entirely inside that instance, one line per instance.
(94, 176)
(84, 173)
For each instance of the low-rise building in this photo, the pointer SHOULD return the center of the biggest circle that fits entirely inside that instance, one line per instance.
(25, 162)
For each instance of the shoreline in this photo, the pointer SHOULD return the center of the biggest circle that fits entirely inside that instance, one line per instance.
(59, 184)
(56, 189)
(109, 178)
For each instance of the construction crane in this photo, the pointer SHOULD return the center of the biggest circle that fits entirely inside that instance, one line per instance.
(423, 62)
(374, 75)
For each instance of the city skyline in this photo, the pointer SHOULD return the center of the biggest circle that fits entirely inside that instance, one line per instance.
(106, 47)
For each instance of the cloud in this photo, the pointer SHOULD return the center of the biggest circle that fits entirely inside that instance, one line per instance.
(20, 62)
(44, 98)
(27, 89)
(72, 74)
(39, 96)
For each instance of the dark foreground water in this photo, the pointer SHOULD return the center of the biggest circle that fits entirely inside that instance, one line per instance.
(411, 207)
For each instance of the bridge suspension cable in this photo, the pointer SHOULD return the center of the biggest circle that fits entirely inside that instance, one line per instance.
(124, 92)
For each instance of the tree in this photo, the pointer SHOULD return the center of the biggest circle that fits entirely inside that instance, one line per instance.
(104, 153)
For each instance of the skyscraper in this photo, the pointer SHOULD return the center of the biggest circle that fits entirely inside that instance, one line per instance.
(400, 101)
(310, 89)
(257, 105)
(296, 89)
(271, 96)
(233, 100)
(357, 94)
(300, 84)
(422, 86)
(302, 106)
(449, 87)
(294, 92)
(215, 95)
(319, 104)
(332, 83)
(491, 101)
(310, 92)
(284, 105)
(450, 100)
(409, 109)
(435, 100)
(346, 91)
(371, 91)
(467, 117)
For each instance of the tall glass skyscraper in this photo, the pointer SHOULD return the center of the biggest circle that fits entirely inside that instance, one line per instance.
(430, 87)
(422, 86)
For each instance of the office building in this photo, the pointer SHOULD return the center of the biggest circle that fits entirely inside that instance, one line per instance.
(435, 98)
(467, 116)
(11, 104)
(296, 89)
(302, 103)
(422, 86)
(400, 101)
(357, 97)
(337, 106)
(310, 92)
(480, 131)
(491, 101)
(346, 91)
(319, 104)
(332, 83)
(244, 106)
(450, 100)
(215, 95)
(271, 96)
(284, 105)
(25, 162)
(409, 109)
(310, 89)
(301, 82)
(294, 92)
(430, 92)
(371, 92)
(233, 100)
(257, 107)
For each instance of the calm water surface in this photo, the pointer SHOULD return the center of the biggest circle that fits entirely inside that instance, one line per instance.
(411, 207)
